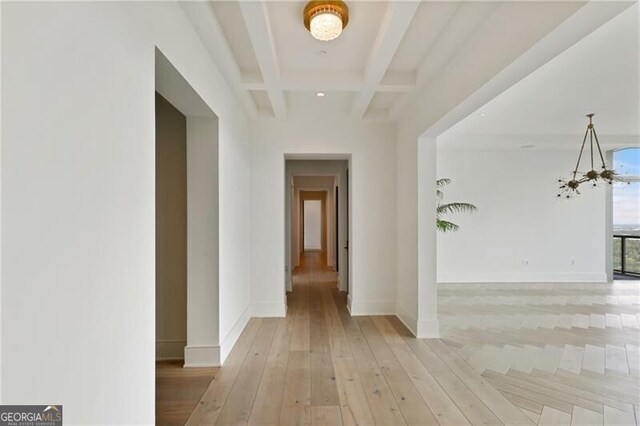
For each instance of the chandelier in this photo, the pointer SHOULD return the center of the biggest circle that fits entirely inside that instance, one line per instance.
(569, 187)
(325, 20)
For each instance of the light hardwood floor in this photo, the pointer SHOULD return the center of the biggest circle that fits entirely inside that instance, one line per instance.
(562, 353)
(178, 390)
(509, 355)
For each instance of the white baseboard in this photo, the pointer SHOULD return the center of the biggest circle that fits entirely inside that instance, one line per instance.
(269, 309)
(427, 329)
(445, 277)
(370, 307)
(407, 319)
(201, 356)
(167, 350)
(232, 336)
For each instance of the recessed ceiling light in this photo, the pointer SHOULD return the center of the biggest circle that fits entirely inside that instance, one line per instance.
(320, 94)
(482, 114)
(321, 53)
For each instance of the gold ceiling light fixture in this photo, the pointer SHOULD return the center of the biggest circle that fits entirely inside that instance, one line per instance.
(325, 20)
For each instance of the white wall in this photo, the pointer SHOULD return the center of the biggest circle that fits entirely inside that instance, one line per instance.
(171, 231)
(522, 231)
(1, 186)
(78, 201)
(203, 286)
(234, 165)
(446, 98)
(372, 174)
(312, 224)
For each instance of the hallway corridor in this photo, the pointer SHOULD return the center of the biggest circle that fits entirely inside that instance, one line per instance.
(509, 354)
(321, 366)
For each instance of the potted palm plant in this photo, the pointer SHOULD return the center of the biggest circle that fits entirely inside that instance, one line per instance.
(449, 208)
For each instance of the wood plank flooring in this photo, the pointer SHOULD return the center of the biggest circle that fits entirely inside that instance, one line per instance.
(178, 391)
(562, 353)
(528, 354)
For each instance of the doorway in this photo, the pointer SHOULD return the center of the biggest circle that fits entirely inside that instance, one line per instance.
(316, 201)
(171, 231)
(312, 218)
(187, 290)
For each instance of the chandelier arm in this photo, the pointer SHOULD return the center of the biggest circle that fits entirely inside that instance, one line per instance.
(575, 172)
(604, 166)
(591, 144)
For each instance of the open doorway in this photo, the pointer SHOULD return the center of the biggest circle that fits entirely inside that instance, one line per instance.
(314, 221)
(171, 231)
(317, 219)
(313, 230)
(187, 291)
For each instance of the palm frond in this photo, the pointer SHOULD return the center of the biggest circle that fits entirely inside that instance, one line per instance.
(445, 226)
(449, 208)
(442, 182)
(455, 208)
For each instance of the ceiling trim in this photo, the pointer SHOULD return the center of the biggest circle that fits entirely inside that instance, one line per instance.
(443, 48)
(396, 21)
(348, 81)
(205, 22)
(533, 142)
(583, 22)
(257, 23)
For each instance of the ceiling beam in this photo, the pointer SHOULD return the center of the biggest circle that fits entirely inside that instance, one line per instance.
(204, 20)
(397, 19)
(342, 81)
(257, 23)
(460, 24)
(585, 18)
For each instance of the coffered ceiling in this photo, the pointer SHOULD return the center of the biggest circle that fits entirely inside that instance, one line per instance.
(387, 54)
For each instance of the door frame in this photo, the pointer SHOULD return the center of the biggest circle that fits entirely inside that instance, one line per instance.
(203, 310)
(310, 195)
(345, 230)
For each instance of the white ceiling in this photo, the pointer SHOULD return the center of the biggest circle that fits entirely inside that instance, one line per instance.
(599, 74)
(387, 54)
(297, 51)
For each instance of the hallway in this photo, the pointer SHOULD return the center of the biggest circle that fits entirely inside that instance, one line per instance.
(321, 366)
(509, 354)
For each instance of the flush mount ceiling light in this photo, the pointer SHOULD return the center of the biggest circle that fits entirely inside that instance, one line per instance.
(325, 20)
(569, 187)
(320, 94)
